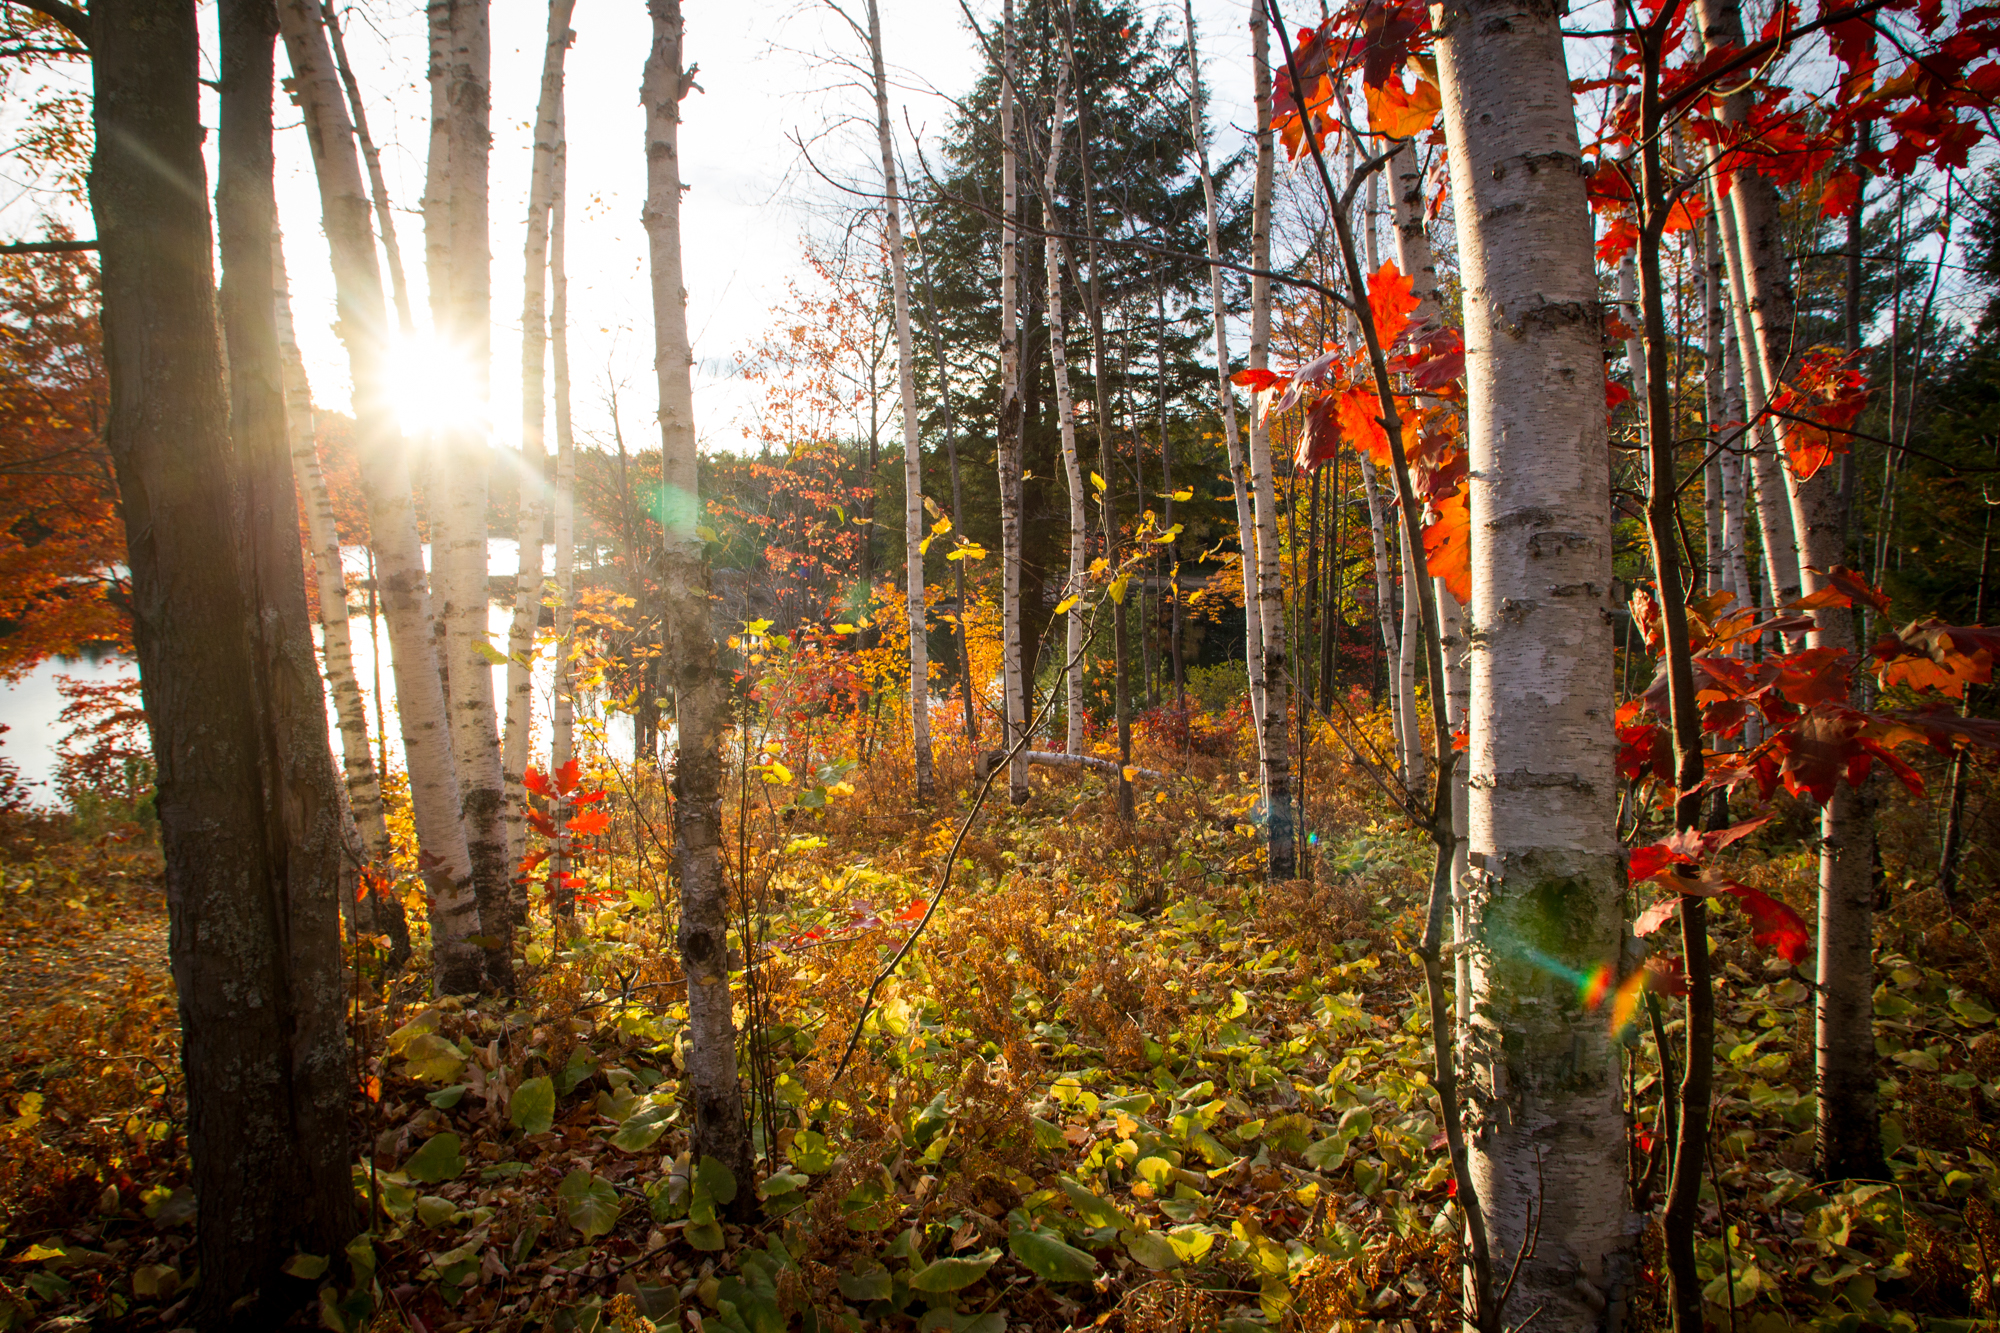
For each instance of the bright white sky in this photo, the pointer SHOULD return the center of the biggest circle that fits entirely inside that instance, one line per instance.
(766, 76)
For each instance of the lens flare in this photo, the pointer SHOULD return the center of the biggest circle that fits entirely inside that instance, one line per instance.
(1594, 985)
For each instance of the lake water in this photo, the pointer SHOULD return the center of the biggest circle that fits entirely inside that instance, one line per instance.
(30, 707)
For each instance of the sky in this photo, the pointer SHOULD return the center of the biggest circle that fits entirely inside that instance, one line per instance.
(771, 75)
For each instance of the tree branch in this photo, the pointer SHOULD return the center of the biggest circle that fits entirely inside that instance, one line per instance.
(73, 20)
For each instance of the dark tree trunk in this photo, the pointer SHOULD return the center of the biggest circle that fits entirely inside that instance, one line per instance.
(248, 811)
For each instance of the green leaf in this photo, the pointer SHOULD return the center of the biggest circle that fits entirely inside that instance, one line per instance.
(435, 1211)
(873, 1285)
(580, 1067)
(446, 1098)
(715, 1179)
(1972, 1010)
(532, 1108)
(1095, 1210)
(433, 1059)
(1152, 1249)
(810, 1152)
(310, 1267)
(704, 1235)
(1049, 1259)
(643, 1130)
(1328, 1153)
(1191, 1242)
(942, 1275)
(1048, 1136)
(489, 652)
(437, 1160)
(590, 1203)
(154, 1282)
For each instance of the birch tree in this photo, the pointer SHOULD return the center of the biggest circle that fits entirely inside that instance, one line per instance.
(913, 454)
(1107, 503)
(562, 720)
(700, 691)
(1414, 257)
(1007, 451)
(1849, 1128)
(534, 454)
(1239, 466)
(385, 482)
(1079, 516)
(377, 913)
(1549, 1156)
(1272, 742)
(459, 262)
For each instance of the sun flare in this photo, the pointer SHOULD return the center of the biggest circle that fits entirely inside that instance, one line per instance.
(434, 386)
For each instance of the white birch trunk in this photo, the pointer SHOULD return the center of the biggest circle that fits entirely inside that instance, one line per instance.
(534, 453)
(1239, 464)
(562, 707)
(1385, 604)
(1414, 257)
(700, 696)
(1273, 744)
(1774, 516)
(913, 455)
(1849, 1139)
(371, 157)
(1549, 900)
(364, 328)
(1008, 453)
(364, 785)
(459, 263)
(1079, 513)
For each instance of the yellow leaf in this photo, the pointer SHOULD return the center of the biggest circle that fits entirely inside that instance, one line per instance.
(1096, 481)
(1184, 494)
(1062, 607)
(1131, 773)
(942, 525)
(756, 626)
(1117, 588)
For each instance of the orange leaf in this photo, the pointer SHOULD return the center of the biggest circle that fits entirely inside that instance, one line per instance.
(1448, 545)
(1686, 214)
(1359, 423)
(1391, 298)
(591, 821)
(1402, 114)
(1619, 238)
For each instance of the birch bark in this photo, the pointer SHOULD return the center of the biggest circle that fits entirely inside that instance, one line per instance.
(562, 708)
(1273, 746)
(371, 157)
(1079, 514)
(1849, 1126)
(392, 525)
(530, 478)
(1414, 257)
(1008, 450)
(459, 262)
(1239, 465)
(700, 694)
(1550, 1150)
(913, 454)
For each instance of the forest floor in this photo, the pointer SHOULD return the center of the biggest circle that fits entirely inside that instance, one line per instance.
(1119, 1082)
